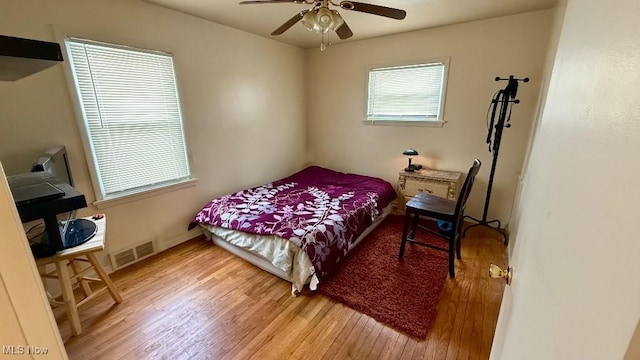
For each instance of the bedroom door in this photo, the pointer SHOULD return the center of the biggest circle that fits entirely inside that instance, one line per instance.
(576, 287)
(28, 325)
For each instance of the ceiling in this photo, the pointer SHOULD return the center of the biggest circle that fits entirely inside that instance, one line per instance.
(262, 19)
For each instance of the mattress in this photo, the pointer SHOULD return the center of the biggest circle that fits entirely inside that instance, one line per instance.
(274, 254)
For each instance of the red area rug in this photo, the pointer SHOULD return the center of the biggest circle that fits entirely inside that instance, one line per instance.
(403, 294)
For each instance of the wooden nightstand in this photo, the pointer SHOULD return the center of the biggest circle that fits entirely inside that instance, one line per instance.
(437, 182)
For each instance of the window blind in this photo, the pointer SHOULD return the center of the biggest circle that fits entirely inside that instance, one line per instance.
(406, 93)
(132, 115)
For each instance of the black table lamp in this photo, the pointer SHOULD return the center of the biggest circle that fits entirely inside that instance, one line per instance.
(410, 152)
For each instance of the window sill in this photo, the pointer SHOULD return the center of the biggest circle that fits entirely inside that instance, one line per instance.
(119, 200)
(435, 124)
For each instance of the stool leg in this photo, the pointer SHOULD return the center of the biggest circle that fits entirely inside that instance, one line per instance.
(84, 284)
(103, 275)
(69, 299)
(407, 218)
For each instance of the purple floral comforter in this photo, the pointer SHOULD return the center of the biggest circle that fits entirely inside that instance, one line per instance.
(320, 210)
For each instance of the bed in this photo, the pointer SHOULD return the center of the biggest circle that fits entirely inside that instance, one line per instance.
(300, 227)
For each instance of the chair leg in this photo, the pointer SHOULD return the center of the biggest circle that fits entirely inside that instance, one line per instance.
(452, 273)
(407, 217)
(412, 235)
(458, 238)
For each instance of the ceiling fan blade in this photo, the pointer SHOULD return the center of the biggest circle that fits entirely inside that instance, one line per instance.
(272, 2)
(344, 32)
(284, 27)
(374, 9)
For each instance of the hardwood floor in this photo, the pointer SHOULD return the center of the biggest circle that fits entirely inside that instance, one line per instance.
(196, 301)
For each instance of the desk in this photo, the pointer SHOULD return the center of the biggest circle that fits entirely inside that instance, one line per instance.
(436, 182)
(71, 257)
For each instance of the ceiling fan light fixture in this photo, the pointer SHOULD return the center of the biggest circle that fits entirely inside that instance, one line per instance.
(320, 18)
(309, 21)
(337, 20)
(324, 18)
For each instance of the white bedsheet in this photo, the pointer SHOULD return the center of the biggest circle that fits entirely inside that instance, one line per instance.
(281, 253)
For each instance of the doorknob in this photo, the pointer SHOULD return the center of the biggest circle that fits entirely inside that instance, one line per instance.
(495, 272)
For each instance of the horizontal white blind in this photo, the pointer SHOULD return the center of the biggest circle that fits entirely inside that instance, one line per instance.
(132, 114)
(406, 93)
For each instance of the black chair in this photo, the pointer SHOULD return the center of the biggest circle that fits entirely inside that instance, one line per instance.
(439, 208)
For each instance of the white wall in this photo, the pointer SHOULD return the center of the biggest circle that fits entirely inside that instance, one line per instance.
(244, 105)
(242, 96)
(479, 51)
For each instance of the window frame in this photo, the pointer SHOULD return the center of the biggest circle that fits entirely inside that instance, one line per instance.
(101, 199)
(444, 60)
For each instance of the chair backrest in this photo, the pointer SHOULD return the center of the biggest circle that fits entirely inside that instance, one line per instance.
(466, 187)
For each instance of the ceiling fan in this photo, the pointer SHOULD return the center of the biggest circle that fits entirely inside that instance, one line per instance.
(319, 18)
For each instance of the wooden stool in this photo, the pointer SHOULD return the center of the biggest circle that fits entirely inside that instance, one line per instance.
(71, 257)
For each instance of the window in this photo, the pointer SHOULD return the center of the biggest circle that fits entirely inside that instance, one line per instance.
(129, 103)
(407, 94)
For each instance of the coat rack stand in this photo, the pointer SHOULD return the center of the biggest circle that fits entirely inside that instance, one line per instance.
(502, 100)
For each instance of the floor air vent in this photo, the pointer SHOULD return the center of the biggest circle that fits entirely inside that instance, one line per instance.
(126, 257)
